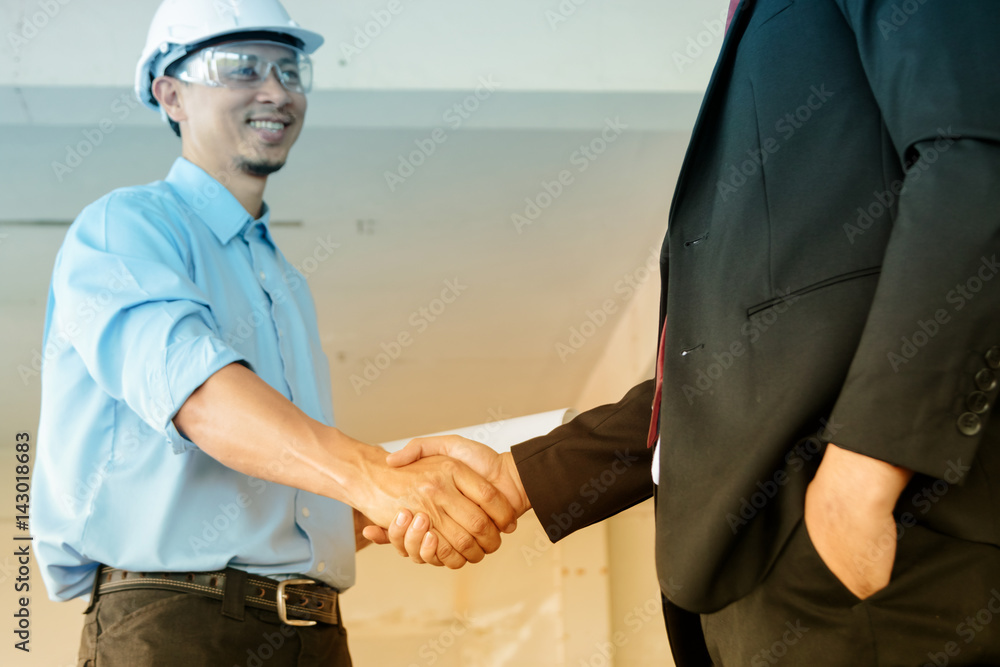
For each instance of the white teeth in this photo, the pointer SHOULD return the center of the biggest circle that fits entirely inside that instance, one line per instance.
(267, 125)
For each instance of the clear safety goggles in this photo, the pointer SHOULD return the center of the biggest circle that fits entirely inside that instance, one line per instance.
(248, 65)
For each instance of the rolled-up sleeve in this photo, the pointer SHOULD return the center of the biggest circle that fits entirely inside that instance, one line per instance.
(126, 298)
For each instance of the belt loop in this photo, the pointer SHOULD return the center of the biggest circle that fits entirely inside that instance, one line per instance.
(234, 594)
(93, 591)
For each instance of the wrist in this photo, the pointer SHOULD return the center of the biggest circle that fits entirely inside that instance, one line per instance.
(862, 483)
(520, 501)
(354, 465)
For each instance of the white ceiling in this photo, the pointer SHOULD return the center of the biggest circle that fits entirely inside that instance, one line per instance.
(494, 349)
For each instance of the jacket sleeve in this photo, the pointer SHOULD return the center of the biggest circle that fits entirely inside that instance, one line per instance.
(921, 386)
(591, 468)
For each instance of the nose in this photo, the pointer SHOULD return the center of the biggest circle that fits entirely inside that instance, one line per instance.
(272, 90)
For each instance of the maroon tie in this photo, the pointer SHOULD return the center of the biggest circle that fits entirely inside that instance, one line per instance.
(654, 424)
(732, 10)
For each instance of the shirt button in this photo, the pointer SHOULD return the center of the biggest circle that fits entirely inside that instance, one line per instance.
(305, 512)
(986, 380)
(263, 276)
(993, 357)
(977, 402)
(969, 424)
(320, 566)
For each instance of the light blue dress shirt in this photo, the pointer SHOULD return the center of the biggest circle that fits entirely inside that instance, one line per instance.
(156, 288)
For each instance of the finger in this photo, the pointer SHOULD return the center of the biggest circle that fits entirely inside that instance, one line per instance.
(397, 530)
(415, 449)
(446, 554)
(428, 548)
(376, 534)
(489, 500)
(415, 535)
(456, 532)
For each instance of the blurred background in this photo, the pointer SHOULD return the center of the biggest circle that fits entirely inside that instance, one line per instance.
(518, 155)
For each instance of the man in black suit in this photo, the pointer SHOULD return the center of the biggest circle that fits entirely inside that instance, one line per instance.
(828, 463)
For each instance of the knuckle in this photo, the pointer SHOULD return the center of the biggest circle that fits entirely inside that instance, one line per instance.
(488, 492)
(445, 551)
(449, 466)
(481, 525)
(465, 543)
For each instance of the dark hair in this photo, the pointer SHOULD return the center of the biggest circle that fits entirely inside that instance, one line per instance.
(259, 35)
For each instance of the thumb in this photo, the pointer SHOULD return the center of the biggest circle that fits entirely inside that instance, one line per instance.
(417, 448)
(376, 534)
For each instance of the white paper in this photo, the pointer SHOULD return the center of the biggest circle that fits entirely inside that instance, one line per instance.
(501, 435)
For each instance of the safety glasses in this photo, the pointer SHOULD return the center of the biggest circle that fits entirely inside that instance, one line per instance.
(247, 65)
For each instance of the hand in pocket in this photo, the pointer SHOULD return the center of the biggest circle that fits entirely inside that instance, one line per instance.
(848, 515)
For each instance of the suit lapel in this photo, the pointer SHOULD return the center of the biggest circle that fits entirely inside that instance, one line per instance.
(723, 68)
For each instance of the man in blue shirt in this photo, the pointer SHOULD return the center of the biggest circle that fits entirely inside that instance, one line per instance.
(188, 469)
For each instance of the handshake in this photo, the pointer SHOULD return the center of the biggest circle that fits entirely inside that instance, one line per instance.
(459, 496)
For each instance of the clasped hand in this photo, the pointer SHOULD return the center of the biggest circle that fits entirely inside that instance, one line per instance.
(430, 536)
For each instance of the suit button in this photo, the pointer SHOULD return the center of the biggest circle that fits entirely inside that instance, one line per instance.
(969, 424)
(977, 402)
(986, 380)
(993, 357)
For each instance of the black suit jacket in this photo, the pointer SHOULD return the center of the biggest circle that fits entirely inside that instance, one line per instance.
(829, 275)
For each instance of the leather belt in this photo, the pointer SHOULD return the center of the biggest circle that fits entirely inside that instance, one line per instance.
(296, 601)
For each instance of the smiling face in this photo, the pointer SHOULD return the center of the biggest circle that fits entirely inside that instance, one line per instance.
(228, 130)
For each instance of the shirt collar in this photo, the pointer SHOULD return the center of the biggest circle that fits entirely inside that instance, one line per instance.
(214, 204)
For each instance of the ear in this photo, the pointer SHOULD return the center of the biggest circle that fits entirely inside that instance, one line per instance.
(168, 92)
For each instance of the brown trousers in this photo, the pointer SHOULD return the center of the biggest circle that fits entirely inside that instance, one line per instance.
(158, 628)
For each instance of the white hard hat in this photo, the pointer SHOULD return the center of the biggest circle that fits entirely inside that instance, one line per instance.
(179, 26)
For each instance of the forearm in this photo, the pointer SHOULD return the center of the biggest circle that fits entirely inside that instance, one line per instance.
(239, 420)
(242, 422)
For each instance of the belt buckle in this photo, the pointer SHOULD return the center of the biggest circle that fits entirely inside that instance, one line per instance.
(282, 612)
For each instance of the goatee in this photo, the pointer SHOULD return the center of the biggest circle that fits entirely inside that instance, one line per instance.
(259, 168)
